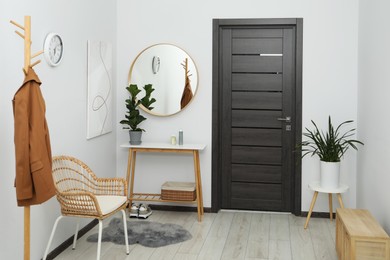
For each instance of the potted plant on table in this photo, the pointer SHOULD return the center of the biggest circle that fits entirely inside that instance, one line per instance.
(133, 116)
(330, 147)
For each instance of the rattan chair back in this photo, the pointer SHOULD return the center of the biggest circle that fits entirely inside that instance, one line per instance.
(77, 187)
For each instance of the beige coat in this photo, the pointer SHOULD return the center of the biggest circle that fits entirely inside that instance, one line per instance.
(34, 181)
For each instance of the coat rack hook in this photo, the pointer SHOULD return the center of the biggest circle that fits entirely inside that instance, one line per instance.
(36, 54)
(20, 34)
(35, 63)
(17, 25)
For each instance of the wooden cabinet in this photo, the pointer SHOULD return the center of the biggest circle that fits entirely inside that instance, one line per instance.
(359, 236)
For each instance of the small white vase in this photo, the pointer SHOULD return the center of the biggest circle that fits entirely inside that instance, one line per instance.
(329, 175)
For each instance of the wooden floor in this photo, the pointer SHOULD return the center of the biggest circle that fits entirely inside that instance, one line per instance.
(227, 235)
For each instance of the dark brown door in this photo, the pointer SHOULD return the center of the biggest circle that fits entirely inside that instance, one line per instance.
(257, 117)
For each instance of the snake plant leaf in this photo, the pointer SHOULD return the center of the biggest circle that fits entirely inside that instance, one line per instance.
(331, 145)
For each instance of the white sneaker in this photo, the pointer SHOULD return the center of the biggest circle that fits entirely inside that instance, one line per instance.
(134, 210)
(144, 211)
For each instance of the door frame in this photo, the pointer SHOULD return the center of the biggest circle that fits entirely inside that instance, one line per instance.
(218, 25)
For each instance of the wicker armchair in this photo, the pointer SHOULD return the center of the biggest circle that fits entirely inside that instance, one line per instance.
(81, 194)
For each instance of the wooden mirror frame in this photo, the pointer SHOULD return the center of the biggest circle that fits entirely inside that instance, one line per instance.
(151, 66)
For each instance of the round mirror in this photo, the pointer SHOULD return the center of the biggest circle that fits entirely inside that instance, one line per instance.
(173, 74)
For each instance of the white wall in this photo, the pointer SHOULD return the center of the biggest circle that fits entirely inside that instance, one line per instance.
(373, 110)
(64, 89)
(329, 77)
(329, 73)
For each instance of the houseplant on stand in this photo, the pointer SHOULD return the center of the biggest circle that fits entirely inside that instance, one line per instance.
(133, 116)
(330, 147)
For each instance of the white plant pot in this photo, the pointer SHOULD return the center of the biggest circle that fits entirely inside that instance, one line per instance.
(329, 175)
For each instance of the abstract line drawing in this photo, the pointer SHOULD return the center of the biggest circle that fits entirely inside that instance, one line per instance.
(99, 112)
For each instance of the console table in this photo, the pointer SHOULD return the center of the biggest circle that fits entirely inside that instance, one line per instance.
(164, 148)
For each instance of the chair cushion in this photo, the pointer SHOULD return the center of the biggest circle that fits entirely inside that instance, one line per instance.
(109, 203)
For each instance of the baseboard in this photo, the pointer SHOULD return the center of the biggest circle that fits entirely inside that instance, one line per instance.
(318, 214)
(177, 208)
(61, 248)
(209, 210)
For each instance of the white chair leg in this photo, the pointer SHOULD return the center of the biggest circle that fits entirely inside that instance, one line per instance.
(99, 240)
(75, 235)
(51, 236)
(125, 231)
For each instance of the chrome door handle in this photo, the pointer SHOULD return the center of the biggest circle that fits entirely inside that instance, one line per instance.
(271, 54)
(287, 119)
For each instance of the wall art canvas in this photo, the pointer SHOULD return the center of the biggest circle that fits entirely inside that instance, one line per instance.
(99, 113)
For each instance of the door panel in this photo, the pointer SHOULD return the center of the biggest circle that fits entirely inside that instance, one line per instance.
(256, 155)
(256, 137)
(263, 33)
(256, 118)
(257, 82)
(245, 204)
(257, 100)
(257, 90)
(264, 196)
(257, 46)
(244, 63)
(256, 191)
(256, 173)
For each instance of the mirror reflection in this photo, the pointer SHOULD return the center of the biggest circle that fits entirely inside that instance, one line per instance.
(173, 74)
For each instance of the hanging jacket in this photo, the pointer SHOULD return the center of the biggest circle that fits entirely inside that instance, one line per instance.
(187, 94)
(34, 181)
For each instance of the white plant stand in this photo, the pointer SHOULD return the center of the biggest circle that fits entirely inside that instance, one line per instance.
(315, 186)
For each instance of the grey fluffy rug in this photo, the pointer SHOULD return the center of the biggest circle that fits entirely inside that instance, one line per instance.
(146, 233)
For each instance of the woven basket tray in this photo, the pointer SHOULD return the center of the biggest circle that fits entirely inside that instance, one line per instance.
(184, 191)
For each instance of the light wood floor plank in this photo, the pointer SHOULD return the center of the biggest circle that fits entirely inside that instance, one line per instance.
(323, 243)
(199, 232)
(300, 239)
(216, 238)
(236, 243)
(184, 219)
(279, 229)
(280, 250)
(91, 252)
(83, 248)
(258, 241)
(221, 224)
(165, 252)
(115, 252)
(179, 256)
(296, 221)
(212, 248)
(332, 229)
(140, 252)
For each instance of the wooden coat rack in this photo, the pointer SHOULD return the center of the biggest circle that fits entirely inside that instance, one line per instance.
(27, 64)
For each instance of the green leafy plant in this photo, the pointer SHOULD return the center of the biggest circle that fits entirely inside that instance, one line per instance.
(331, 145)
(133, 116)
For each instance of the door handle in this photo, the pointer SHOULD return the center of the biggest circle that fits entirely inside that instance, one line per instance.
(271, 54)
(287, 119)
